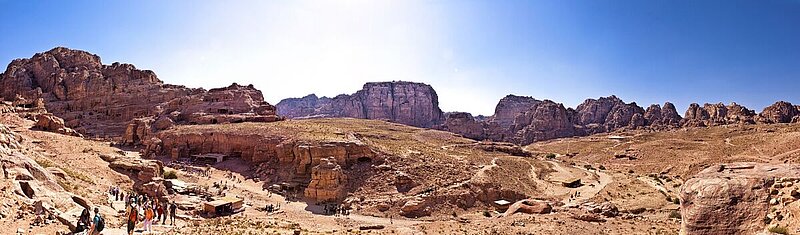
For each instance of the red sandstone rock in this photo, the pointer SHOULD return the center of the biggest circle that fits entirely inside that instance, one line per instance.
(529, 206)
(717, 114)
(730, 198)
(780, 112)
(408, 103)
(49, 122)
(464, 124)
(101, 100)
(328, 182)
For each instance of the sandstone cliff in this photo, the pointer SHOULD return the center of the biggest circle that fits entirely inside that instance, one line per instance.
(717, 114)
(409, 103)
(738, 198)
(780, 112)
(101, 100)
(523, 120)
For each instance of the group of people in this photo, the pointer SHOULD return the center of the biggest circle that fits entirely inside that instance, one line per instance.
(90, 226)
(272, 208)
(335, 210)
(189, 168)
(148, 211)
(115, 192)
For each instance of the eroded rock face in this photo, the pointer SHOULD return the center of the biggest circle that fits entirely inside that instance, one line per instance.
(669, 115)
(328, 182)
(51, 123)
(281, 159)
(100, 100)
(464, 124)
(730, 198)
(624, 115)
(597, 111)
(548, 120)
(717, 114)
(409, 103)
(780, 112)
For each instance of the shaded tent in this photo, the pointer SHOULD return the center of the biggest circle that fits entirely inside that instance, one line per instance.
(501, 205)
(211, 157)
(223, 206)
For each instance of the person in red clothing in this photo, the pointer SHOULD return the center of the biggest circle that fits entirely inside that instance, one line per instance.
(160, 211)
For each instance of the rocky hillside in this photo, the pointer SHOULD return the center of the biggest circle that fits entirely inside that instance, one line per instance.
(525, 120)
(101, 100)
(408, 103)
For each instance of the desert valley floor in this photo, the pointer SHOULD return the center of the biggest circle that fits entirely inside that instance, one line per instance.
(638, 172)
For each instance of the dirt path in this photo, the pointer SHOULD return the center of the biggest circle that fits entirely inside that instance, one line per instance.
(593, 181)
(728, 142)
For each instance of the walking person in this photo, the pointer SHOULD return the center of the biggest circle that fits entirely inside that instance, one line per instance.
(98, 223)
(148, 218)
(163, 210)
(172, 209)
(133, 216)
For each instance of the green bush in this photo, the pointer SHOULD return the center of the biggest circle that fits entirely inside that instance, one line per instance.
(170, 175)
(487, 213)
(779, 230)
(550, 156)
(675, 215)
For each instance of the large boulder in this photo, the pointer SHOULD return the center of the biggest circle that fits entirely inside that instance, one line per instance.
(730, 198)
(415, 207)
(51, 123)
(529, 206)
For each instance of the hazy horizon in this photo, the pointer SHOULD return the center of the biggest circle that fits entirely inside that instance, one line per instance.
(473, 53)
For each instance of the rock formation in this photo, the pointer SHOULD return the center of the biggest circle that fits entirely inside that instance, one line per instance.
(524, 120)
(732, 198)
(49, 122)
(328, 182)
(279, 158)
(464, 124)
(780, 112)
(34, 185)
(146, 174)
(409, 103)
(547, 120)
(100, 100)
(717, 114)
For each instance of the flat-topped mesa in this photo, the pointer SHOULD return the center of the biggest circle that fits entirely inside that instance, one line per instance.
(101, 100)
(409, 103)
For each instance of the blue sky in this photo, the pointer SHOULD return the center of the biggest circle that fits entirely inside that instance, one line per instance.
(472, 52)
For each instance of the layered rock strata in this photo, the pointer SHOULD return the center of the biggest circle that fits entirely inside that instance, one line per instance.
(100, 100)
(736, 198)
(409, 103)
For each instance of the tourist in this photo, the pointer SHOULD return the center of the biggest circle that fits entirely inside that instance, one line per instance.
(163, 208)
(160, 212)
(98, 223)
(83, 221)
(148, 218)
(132, 215)
(172, 208)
